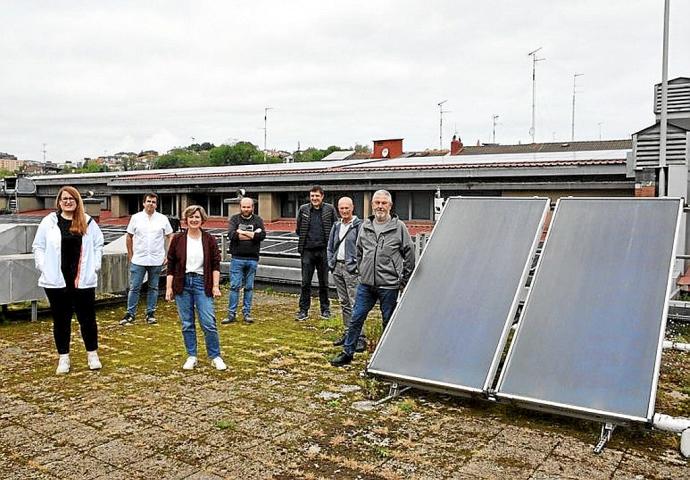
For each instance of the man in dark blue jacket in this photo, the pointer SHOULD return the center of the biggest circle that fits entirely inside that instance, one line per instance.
(342, 261)
(314, 222)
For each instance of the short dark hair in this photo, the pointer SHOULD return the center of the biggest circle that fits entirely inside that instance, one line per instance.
(317, 188)
(150, 195)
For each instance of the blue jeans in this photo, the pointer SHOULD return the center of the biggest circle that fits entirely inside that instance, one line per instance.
(193, 297)
(136, 279)
(364, 301)
(242, 271)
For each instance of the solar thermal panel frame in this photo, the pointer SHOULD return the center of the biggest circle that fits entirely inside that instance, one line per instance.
(457, 389)
(576, 410)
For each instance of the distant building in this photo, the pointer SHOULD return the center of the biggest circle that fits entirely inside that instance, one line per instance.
(9, 162)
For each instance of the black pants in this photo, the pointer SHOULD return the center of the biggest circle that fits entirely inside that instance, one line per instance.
(314, 260)
(63, 303)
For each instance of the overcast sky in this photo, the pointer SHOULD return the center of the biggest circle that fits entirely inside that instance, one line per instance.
(88, 77)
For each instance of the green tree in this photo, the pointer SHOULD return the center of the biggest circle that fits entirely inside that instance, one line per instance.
(361, 148)
(241, 153)
(200, 147)
(313, 154)
(5, 173)
(177, 158)
(91, 167)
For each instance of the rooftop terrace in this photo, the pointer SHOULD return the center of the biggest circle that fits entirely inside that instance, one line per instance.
(281, 411)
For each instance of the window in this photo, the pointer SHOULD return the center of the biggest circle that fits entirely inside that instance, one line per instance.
(422, 206)
(401, 205)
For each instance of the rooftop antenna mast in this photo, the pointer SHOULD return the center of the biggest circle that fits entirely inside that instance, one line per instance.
(266, 109)
(44, 152)
(533, 54)
(441, 111)
(494, 117)
(663, 117)
(572, 124)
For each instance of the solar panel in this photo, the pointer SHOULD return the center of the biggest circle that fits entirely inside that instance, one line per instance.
(589, 341)
(450, 326)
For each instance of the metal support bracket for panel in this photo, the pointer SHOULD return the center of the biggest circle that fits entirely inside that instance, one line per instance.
(34, 310)
(393, 391)
(606, 432)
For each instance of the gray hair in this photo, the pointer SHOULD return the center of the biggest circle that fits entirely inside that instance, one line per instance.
(383, 193)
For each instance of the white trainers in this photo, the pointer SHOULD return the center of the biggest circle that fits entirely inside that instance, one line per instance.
(93, 360)
(63, 364)
(219, 363)
(189, 364)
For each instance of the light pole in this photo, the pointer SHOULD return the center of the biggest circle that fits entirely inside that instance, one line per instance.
(266, 109)
(493, 131)
(533, 54)
(441, 111)
(572, 124)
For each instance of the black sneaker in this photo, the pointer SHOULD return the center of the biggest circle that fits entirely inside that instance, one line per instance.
(341, 360)
(302, 316)
(127, 320)
(326, 314)
(361, 345)
(339, 342)
(228, 319)
(248, 319)
(150, 319)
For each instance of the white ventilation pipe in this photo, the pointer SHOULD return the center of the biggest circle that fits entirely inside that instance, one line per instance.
(683, 347)
(680, 425)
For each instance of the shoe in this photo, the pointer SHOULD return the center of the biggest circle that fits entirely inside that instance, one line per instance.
(361, 345)
(341, 360)
(219, 363)
(326, 314)
(127, 320)
(229, 319)
(248, 319)
(93, 360)
(63, 365)
(302, 316)
(189, 364)
(339, 342)
(150, 319)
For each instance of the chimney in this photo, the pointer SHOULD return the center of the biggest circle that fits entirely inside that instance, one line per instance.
(389, 148)
(455, 145)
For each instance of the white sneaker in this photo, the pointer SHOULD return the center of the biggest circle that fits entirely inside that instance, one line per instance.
(63, 364)
(219, 363)
(189, 364)
(93, 360)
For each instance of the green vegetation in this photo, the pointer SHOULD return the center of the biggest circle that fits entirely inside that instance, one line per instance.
(225, 425)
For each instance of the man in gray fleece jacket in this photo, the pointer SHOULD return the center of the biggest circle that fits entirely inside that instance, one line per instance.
(385, 260)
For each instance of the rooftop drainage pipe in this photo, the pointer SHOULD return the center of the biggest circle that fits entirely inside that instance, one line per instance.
(680, 425)
(683, 347)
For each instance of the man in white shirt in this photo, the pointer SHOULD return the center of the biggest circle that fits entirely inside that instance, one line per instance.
(148, 237)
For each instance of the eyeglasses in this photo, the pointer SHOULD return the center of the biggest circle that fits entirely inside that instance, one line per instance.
(68, 199)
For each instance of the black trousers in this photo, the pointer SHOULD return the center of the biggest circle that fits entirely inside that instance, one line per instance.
(314, 260)
(64, 302)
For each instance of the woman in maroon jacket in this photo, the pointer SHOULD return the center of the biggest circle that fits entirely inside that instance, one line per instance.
(193, 280)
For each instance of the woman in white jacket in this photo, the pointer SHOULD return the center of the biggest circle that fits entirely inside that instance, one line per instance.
(67, 249)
